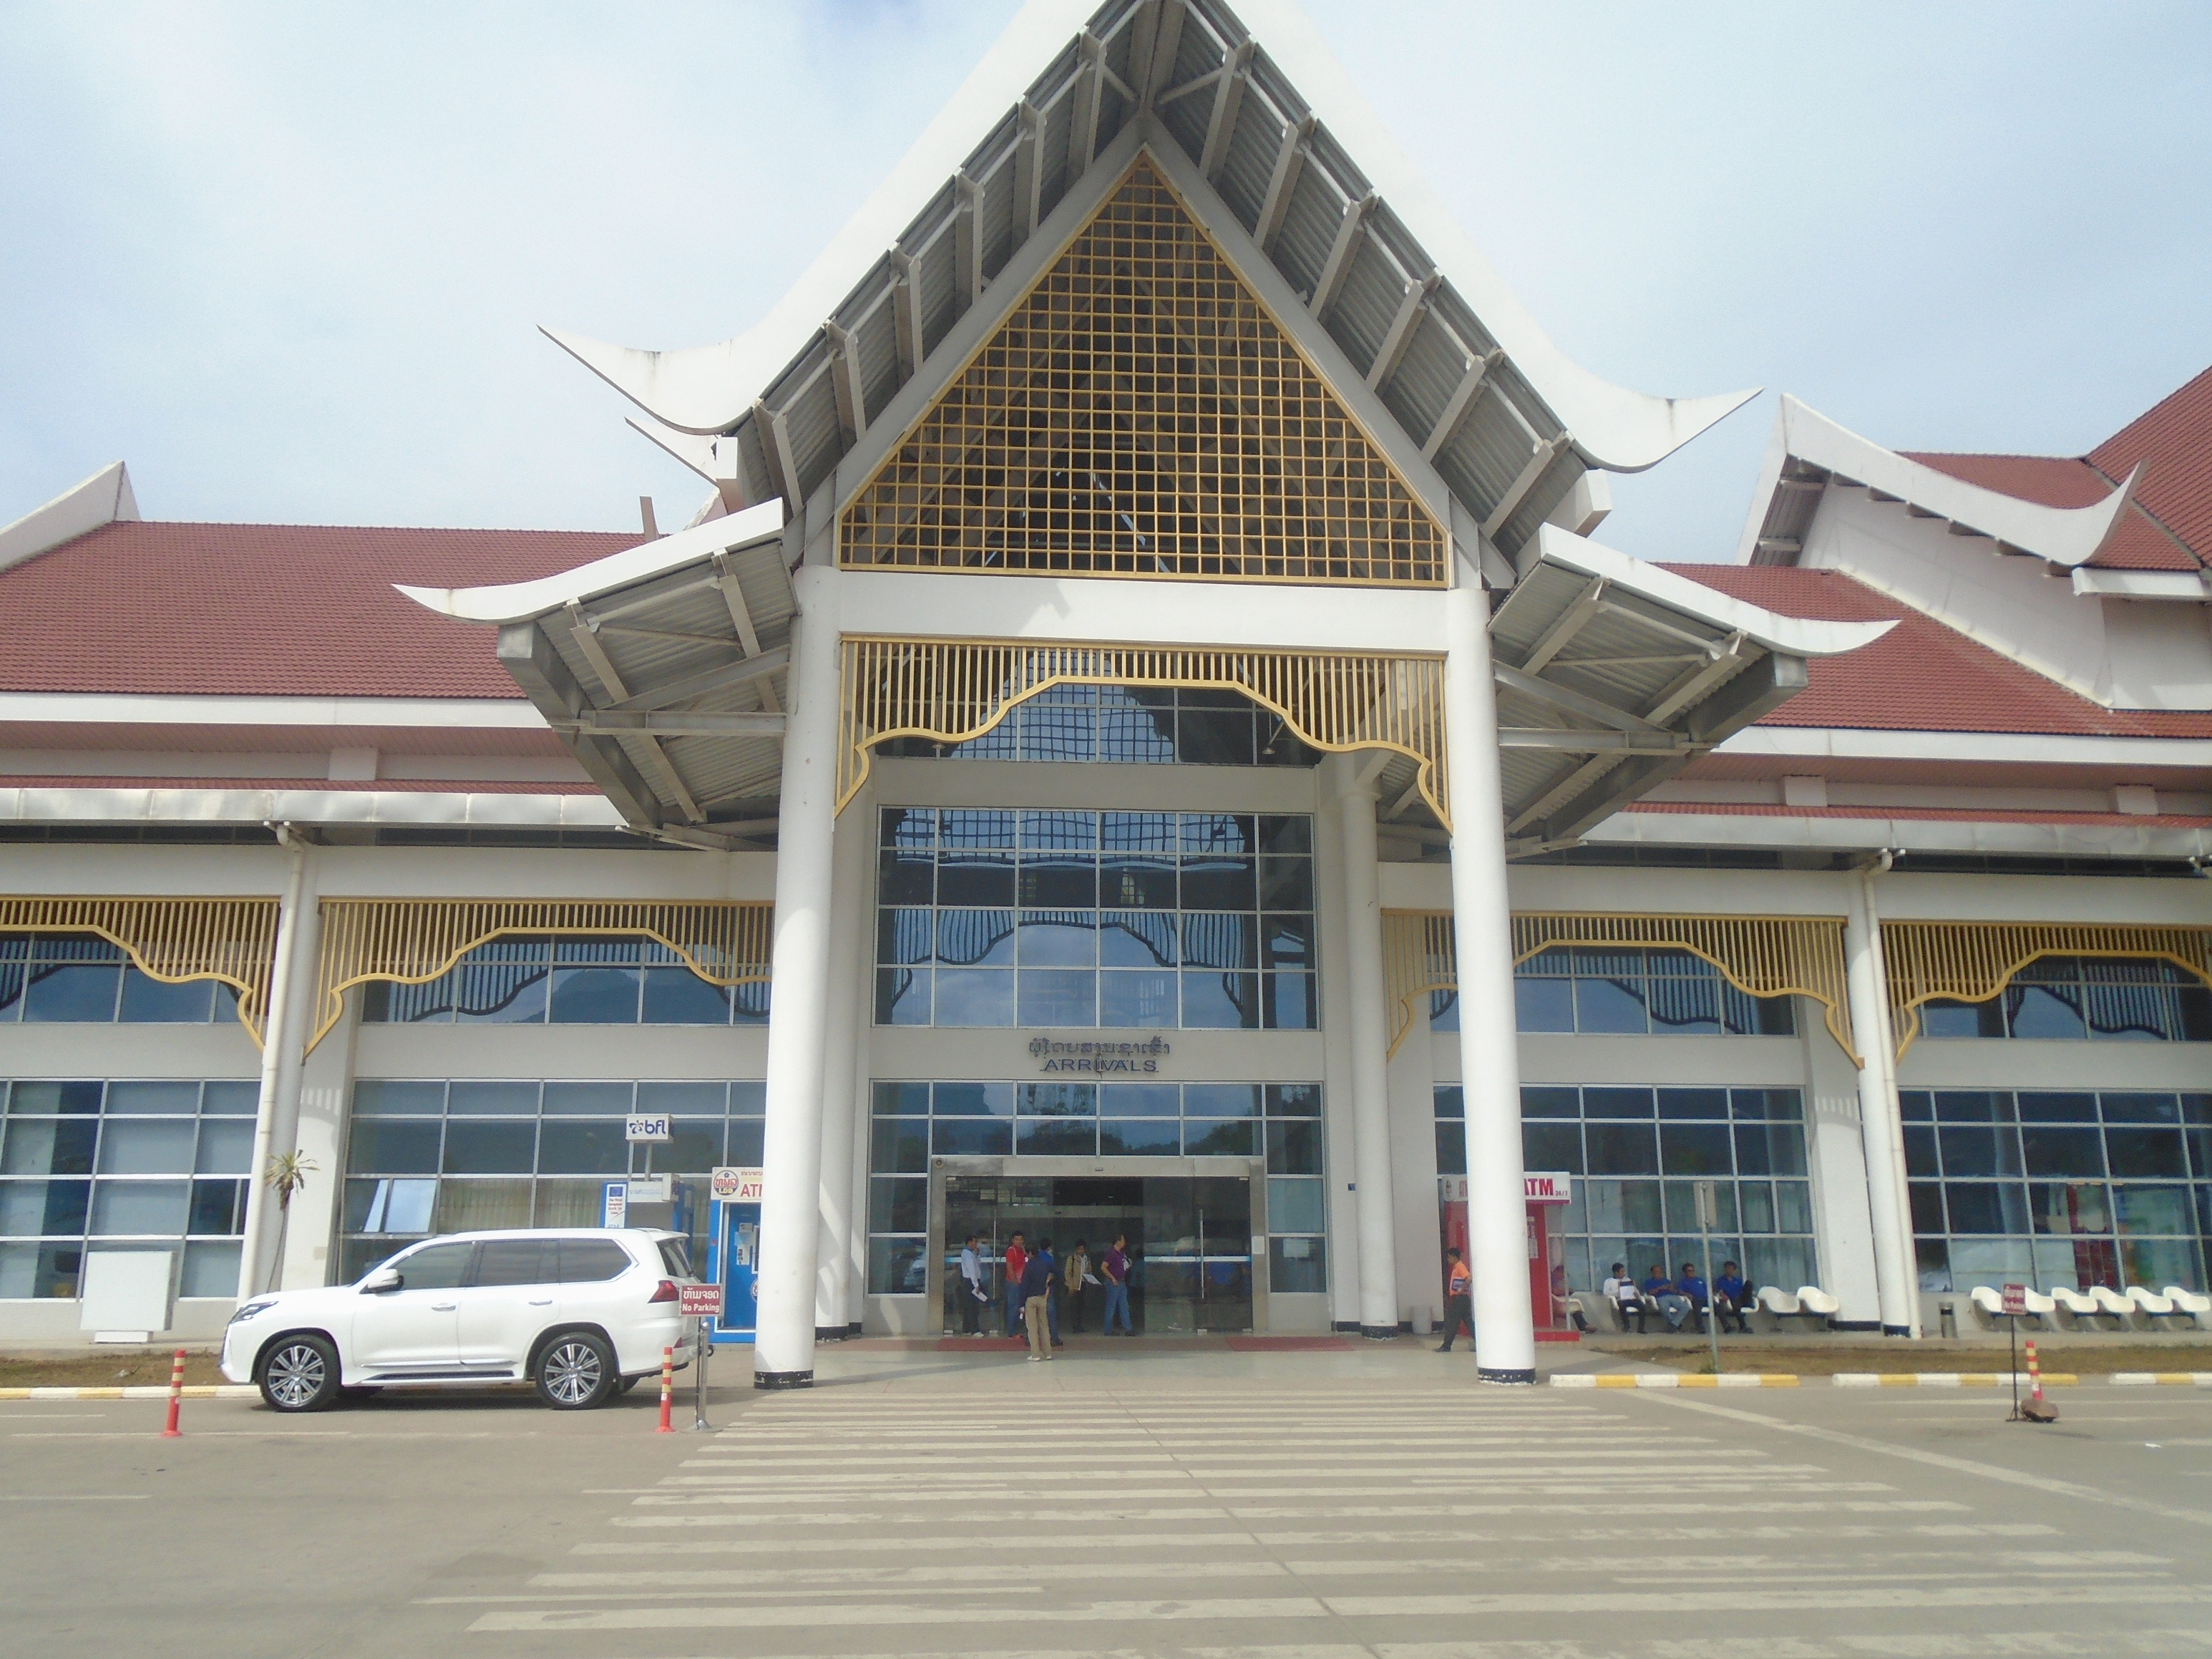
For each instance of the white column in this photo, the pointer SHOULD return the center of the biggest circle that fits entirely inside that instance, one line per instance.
(1490, 1057)
(791, 1207)
(1881, 1134)
(833, 1265)
(1371, 1078)
(278, 1037)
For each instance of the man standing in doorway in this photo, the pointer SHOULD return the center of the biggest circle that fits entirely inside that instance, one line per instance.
(1037, 1300)
(1115, 1263)
(1459, 1299)
(973, 1296)
(1018, 1257)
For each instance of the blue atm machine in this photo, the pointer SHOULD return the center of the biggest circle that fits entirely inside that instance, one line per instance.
(734, 1250)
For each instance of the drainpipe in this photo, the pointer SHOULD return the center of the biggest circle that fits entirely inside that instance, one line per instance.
(276, 1036)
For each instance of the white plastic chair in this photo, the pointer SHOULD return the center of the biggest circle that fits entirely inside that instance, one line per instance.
(1778, 1304)
(2148, 1309)
(1815, 1300)
(2190, 1305)
(2082, 1311)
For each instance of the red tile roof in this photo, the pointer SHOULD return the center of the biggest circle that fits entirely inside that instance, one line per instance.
(204, 610)
(2168, 526)
(1922, 676)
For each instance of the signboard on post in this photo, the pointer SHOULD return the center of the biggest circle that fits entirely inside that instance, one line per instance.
(651, 1189)
(735, 1185)
(648, 1127)
(2015, 1301)
(1544, 1187)
(614, 1205)
(699, 1301)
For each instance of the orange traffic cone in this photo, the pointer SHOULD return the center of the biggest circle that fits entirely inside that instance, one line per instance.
(2038, 1409)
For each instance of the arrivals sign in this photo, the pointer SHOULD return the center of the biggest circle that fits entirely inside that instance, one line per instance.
(1100, 1059)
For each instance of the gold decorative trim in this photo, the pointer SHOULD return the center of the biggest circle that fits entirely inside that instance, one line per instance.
(955, 690)
(1975, 961)
(1760, 955)
(172, 939)
(413, 941)
(1141, 413)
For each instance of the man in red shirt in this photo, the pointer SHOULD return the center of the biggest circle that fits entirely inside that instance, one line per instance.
(1459, 1301)
(1018, 1257)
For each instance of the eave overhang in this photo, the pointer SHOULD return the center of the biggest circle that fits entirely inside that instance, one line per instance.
(1809, 454)
(1250, 103)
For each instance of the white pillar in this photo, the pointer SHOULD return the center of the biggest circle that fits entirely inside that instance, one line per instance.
(855, 841)
(279, 1039)
(1370, 1077)
(1490, 1057)
(791, 1207)
(1881, 1134)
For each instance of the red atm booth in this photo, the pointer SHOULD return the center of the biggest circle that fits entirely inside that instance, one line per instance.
(1545, 1193)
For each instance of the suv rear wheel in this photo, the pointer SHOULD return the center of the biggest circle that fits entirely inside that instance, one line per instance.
(300, 1374)
(576, 1371)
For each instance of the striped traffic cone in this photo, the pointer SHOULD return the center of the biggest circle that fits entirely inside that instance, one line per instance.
(2038, 1409)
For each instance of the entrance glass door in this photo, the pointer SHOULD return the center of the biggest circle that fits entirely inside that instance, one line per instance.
(1197, 1275)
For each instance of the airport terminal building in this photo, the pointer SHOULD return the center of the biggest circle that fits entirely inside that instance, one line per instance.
(1144, 736)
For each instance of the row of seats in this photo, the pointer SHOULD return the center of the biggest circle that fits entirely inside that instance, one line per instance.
(1811, 1305)
(2135, 1309)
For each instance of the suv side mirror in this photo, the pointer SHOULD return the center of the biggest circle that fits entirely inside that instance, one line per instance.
(383, 1280)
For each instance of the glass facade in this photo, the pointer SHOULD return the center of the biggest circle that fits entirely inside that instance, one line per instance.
(1629, 992)
(76, 978)
(566, 981)
(2059, 1188)
(86, 1165)
(1118, 724)
(426, 1158)
(1196, 920)
(1634, 1153)
(2076, 998)
(912, 1122)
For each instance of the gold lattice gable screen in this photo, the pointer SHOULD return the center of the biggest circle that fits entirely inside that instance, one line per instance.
(1974, 961)
(1141, 414)
(954, 690)
(1760, 955)
(172, 939)
(413, 941)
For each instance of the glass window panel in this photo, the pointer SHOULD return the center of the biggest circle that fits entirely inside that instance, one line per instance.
(1136, 882)
(968, 1099)
(1056, 1138)
(230, 1099)
(1770, 1148)
(1451, 1147)
(1689, 1006)
(2153, 1152)
(32, 1209)
(395, 1206)
(1054, 726)
(120, 1207)
(2161, 1261)
(1218, 832)
(1137, 939)
(1617, 1103)
(2141, 1108)
(905, 936)
(2045, 1108)
(1543, 1005)
(1550, 1146)
(51, 1146)
(970, 1137)
(1945, 1018)
(1979, 1151)
(1986, 1206)
(907, 826)
(499, 1099)
(1694, 1103)
(747, 1136)
(1058, 938)
(1285, 833)
(1293, 1147)
(1288, 1002)
(1133, 731)
(588, 1099)
(1695, 1149)
(226, 1147)
(580, 1147)
(1286, 884)
(1977, 1106)
(897, 1204)
(2140, 1209)
(975, 996)
(975, 827)
(1057, 1100)
(2062, 1151)
(747, 1099)
(2064, 1208)
(1607, 1005)
(1220, 1002)
(1121, 1137)
(1535, 1102)
(2193, 1013)
(1138, 832)
(155, 1146)
(1214, 737)
(2044, 1012)
(1298, 1264)
(1920, 1151)
(677, 996)
(905, 877)
(1139, 1100)
(490, 1148)
(902, 996)
(60, 992)
(975, 877)
(1755, 1203)
(1294, 1206)
(1779, 1261)
(1058, 996)
(1204, 1138)
(1217, 881)
(1220, 941)
(1622, 1148)
(1287, 941)
(1926, 1198)
(596, 996)
(502, 983)
(1793, 1206)
(153, 1002)
(1221, 1100)
(679, 1099)
(911, 1099)
(1059, 881)
(898, 1146)
(388, 1098)
(143, 1099)
(897, 1266)
(1293, 1099)
(211, 1270)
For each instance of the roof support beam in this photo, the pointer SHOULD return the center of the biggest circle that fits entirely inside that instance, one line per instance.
(1592, 742)
(1575, 783)
(529, 657)
(1573, 702)
(1577, 616)
(967, 237)
(741, 619)
(678, 725)
(667, 783)
(1228, 99)
(775, 434)
(712, 679)
(1699, 680)
(1290, 162)
(1082, 124)
(1462, 400)
(906, 313)
(1540, 463)
(1028, 176)
(1392, 351)
(1349, 230)
(845, 381)
(1158, 38)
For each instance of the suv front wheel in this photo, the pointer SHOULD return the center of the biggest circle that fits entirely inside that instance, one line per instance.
(576, 1371)
(300, 1374)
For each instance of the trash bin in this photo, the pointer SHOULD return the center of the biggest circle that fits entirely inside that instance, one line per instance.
(1946, 1318)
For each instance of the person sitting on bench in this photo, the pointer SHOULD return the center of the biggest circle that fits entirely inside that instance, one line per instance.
(1691, 1290)
(1659, 1292)
(1621, 1290)
(1732, 1299)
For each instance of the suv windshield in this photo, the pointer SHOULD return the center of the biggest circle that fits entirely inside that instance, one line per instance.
(675, 1256)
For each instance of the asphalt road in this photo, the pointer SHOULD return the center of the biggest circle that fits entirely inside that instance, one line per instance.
(1271, 1506)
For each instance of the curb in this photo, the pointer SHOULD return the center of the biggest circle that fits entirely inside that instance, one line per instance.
(1948, 1379)
(140, 1391)
(1674, 1380)
(2161, 1379)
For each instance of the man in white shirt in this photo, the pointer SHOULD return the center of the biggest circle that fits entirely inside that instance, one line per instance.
(973, 1296)
(1621, 1290)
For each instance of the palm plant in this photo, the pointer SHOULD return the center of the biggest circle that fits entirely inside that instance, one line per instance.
(287, 1174)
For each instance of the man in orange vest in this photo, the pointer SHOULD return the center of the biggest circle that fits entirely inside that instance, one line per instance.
(1459, 1300)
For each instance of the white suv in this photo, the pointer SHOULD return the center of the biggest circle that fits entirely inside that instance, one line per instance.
(582, 1313)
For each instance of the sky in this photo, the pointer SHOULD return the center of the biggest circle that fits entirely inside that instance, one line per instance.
(288, 260)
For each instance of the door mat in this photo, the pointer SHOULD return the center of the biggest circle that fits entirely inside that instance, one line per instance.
(1289, 1344)
(981, 1344)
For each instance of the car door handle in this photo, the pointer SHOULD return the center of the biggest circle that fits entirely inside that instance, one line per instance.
(541, 1301)
(443, 1306)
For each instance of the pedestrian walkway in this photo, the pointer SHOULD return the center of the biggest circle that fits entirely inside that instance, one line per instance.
(1398, 1512)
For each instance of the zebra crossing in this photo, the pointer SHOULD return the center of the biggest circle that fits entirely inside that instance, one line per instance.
(1126, 1511)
